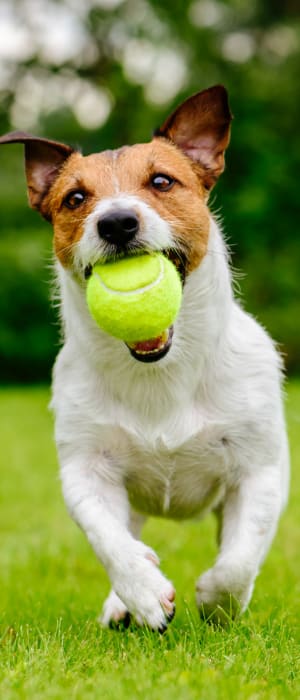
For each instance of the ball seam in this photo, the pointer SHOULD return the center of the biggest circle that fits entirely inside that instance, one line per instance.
(139, 290)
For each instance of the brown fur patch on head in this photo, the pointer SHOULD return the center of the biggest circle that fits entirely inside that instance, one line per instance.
(130, 171)
(183, 206)
(92, 175)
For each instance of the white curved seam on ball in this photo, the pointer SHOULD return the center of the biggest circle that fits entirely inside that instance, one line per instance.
(140, 290)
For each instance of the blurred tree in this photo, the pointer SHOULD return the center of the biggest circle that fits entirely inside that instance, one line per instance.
(105, 72)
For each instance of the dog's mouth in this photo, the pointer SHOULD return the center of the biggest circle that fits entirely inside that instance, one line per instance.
(154, 349)
(179, 260)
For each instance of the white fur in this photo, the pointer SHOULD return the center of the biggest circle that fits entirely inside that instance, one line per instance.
(201, 429)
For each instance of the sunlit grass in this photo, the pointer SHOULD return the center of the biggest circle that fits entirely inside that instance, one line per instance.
(52, 589)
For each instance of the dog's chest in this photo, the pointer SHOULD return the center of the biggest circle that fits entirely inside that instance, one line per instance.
(172, 474)
(177, 484)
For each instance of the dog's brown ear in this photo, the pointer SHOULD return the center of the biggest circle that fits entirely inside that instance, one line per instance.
(43, 160)
(200, 126)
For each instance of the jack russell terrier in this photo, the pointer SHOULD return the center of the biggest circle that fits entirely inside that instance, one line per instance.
(177, 427)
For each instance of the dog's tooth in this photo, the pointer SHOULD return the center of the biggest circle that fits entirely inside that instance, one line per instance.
(162, 340)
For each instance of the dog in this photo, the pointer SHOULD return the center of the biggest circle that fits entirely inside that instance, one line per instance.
(189, 423)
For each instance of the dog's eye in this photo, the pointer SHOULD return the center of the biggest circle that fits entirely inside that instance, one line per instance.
(162, 182)
(74, 199)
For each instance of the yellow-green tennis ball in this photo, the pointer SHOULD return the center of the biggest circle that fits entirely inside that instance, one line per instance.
(135, 298)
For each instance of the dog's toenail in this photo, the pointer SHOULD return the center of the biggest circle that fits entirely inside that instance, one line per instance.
(162, 629)
(171, 614)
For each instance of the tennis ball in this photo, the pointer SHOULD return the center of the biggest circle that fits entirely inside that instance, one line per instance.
(135, 298)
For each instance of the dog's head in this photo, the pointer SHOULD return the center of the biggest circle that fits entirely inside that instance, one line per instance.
(149, 196)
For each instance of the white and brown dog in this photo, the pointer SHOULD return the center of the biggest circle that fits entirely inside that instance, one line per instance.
(171, 428)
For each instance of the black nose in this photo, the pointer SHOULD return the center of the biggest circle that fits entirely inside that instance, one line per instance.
(118, 227)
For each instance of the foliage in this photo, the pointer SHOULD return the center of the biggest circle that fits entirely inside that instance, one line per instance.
(52, 588)
(106, 74)
(28, 329)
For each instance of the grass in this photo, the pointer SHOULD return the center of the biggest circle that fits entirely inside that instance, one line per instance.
(52, 588)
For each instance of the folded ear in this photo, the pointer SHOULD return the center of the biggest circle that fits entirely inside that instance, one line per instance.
(43, 160)
(200, 126)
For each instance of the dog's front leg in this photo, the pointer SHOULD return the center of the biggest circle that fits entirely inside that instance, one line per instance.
(114, 613)
(249, 518)
(101, 508)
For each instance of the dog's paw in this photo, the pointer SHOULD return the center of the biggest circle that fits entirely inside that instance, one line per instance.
(114, 612)
(144, 591)
(219, 597)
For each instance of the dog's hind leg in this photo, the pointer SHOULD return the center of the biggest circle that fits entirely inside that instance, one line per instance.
(114, 612)
(247, 526)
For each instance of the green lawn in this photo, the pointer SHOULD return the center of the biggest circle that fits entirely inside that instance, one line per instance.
(52, 588)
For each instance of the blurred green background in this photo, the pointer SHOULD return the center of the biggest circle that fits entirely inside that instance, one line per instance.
(100, 73)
